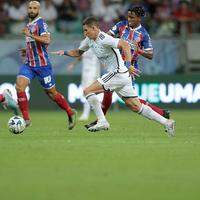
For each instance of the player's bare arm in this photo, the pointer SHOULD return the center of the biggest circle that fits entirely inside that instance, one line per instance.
(71, 53)
(146, 53)
(45, 38)
(125, 48)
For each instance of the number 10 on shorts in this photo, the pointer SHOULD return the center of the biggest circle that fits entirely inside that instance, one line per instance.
(47, 79)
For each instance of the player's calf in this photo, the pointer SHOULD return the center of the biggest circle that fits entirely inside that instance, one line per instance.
(72, 120)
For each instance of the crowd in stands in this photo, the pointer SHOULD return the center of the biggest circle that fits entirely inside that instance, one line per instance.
(163, 17)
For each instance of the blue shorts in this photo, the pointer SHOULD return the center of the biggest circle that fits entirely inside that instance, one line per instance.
(44, 74)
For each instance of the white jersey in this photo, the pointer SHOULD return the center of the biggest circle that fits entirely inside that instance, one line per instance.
(105, 48)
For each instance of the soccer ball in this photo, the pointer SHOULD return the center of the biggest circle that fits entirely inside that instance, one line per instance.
(16, 124)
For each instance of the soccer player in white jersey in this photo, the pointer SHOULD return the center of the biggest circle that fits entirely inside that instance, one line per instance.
(118, 76)
(90, 72)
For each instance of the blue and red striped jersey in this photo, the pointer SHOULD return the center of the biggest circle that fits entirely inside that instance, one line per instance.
(36, 52)
(139, 35)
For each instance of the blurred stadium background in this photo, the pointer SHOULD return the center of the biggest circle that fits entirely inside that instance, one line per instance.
(170, 79)
(134, 159)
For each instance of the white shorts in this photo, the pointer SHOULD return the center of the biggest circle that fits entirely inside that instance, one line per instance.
(121, 83)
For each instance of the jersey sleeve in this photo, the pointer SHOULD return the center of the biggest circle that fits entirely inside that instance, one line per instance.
(115, 29)
(43, 28)
(109, 41)
(146, 42)
(84, 45)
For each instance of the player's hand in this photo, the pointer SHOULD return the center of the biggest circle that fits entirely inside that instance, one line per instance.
(26, 32)
(60, 52)
(134, 72)
(22, 52)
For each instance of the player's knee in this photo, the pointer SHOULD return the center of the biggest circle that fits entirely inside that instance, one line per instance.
(51, 94)
(21, 84)
(134, 107)
(19, 87)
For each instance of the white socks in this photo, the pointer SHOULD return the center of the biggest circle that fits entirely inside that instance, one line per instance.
(86, 109)
(96, 106)
(147, 112)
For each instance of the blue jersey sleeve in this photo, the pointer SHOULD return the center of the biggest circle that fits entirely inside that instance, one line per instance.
(115, 29)
(146, 42)
(43, 27)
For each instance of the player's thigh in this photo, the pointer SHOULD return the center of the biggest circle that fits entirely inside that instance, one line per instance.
(132, 102)
(24, 77)
(46, 77)
(95, 87)
(21, 83)
(129, 96)
(51, 92)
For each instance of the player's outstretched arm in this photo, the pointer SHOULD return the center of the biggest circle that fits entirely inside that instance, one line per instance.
(126, 49)
(71, 53)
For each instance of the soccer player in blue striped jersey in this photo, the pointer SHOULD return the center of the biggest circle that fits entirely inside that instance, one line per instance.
(37, 64)
(132, 31)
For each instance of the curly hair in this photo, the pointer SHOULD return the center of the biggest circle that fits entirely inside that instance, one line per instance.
(138, 10)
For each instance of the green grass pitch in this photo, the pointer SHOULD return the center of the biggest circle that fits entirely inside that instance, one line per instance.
(133, 160)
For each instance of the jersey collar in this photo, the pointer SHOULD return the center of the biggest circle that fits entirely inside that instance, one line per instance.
(135, 29)
(34, 20)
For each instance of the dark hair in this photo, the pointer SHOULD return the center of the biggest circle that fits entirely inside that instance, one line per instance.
(91, 21)
(138, 10)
